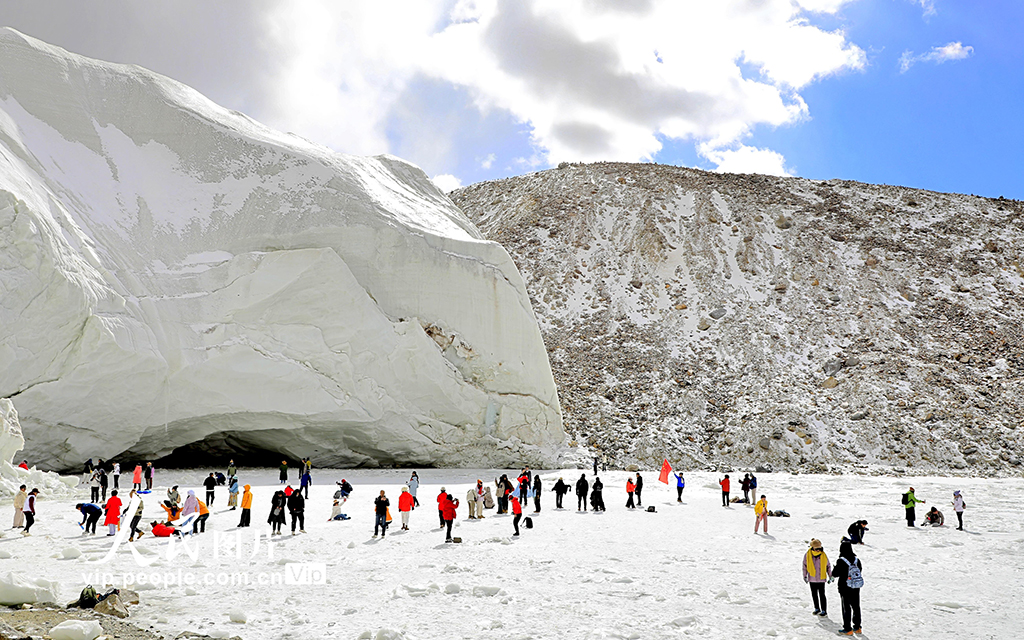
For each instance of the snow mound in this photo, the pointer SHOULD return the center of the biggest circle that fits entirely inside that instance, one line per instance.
(17, 588)
(76, 630)
(177, 274)
(50, 485)
(237, 615)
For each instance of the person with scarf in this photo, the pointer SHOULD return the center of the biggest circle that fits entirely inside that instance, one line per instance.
(276, 517)
(761, 512)
(958, 508)
(848, 573)
(817, 569)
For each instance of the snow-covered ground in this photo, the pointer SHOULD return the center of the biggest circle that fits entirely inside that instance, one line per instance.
(690, 570)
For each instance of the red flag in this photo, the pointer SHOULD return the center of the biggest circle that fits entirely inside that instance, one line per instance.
(666, 469)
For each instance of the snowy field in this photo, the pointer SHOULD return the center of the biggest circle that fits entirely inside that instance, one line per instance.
(690, 570)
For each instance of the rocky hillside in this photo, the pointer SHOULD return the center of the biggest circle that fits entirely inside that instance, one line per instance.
(751, 320)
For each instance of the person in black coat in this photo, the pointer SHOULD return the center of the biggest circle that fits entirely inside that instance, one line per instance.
(638, 489)
(210, 482)
(582, 488)
(536, 493)
(848, 593)
(297, 507)
(560, 490)
(103, 482)
(277, 507)
(597, 495)
(380, 510)
(857, 530)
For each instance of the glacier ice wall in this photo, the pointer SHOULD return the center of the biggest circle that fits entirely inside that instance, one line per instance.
(172, 271)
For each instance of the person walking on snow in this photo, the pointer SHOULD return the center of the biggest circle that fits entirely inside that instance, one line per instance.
(305, 481)
(909, 501)
(297, 509)
(582, 487)
(448, 512)
(30, 511)
(725, 490)
(136, 517)
(680, 485)
(113, 510)
(246, 507)
(406, 503)
(761, 511)
(639, 489)
(630, 489)
(817, 569)
(277, 506)
(210, 483)
(536, 493)
(958, 508)
(414, 484)
(442, 498)
(137, 478)
(848, 573)
(517, 513)
(233, 493)
(19, 506)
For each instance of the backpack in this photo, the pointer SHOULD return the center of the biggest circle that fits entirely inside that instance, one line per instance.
(854, 578)
(650, 509)
(906, 498)
(528, 522)
(88, 599)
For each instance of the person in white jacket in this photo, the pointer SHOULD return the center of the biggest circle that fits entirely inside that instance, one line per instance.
(958, 507)
(19, 504)
(30, 511)
(471, 503)
(478, 497)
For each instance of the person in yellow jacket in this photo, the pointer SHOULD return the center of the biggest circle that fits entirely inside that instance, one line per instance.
(246, 507)
(761, 509)
(817, 570)
(199, 526)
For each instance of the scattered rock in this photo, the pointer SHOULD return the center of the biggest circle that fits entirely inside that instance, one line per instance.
(783, 222)
(860, 415)
(112, 606)
(703, 325)
(764, 443)
(829, 383)
(717, 313)
(832, 367)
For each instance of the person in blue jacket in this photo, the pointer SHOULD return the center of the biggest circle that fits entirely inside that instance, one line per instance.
(680, 485)
(753, 485)
(90, 516)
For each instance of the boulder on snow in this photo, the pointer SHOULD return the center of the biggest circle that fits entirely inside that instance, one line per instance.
(17, 588)
(76, 630)
(112, 606)
(180, 275)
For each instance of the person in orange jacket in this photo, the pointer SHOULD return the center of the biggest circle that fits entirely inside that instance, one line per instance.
(761, 511)
(725, 490)
(199, 525)
(517, 512)
(630, 488)
(246, 507)
(406, 503)
(113, 510)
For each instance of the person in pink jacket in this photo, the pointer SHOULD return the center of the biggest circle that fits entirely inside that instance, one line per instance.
(817, 569)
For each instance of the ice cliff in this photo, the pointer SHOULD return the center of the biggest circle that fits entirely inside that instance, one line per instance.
(173, 273)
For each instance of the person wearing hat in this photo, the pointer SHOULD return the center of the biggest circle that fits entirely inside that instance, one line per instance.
(910, 500)
(406, 503)
(817, 569)
(958, 508)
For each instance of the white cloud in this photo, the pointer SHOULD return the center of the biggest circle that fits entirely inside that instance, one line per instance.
(446, 182)
(488, 162)
(946, 53)
(927, 7)
(744, 159)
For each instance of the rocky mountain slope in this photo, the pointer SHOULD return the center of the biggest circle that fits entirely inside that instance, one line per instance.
(748, 320)
(176, 276)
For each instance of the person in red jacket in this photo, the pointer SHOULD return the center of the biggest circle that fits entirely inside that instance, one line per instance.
(406, 503)
(161, 530)
(113, 509)
(630, 489)
(725, 490)
(448, 511)
(517, 511)
(441, 497)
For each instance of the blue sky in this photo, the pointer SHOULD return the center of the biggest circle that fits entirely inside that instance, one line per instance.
(922, 93)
